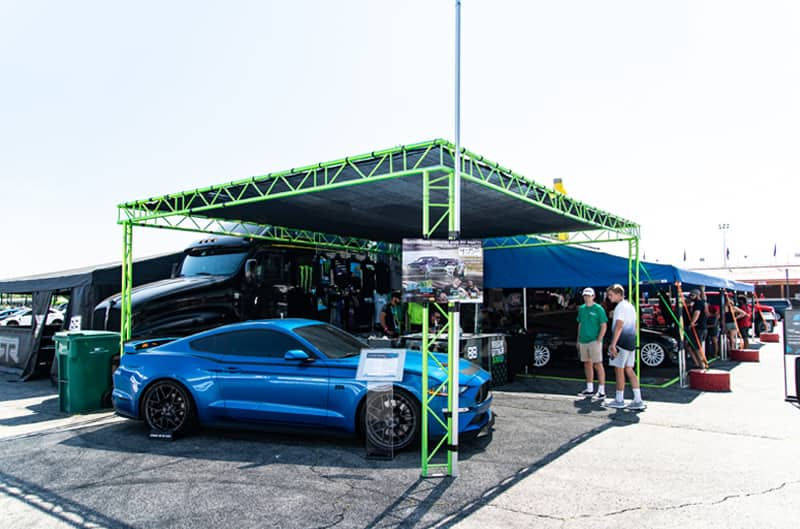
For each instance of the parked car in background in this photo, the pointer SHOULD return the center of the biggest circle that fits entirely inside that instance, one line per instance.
(556, 337)
(24, 318)
(7, 313)
(779, 304)
(289, 373)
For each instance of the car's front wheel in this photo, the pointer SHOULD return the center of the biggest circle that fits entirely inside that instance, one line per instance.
(541, 355)
(391, 419)
(653, 354)
(168, 408)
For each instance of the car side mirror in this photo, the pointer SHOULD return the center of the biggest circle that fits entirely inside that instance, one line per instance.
(250, 270)
(297, 354)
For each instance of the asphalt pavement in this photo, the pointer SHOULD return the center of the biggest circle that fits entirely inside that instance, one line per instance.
(692, 459)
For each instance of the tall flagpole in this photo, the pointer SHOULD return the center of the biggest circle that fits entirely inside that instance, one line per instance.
(457, 193)
(455, 324)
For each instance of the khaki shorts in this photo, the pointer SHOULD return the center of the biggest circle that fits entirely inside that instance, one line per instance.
(591, 351)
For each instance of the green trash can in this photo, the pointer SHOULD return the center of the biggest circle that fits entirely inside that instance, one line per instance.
(84, 369)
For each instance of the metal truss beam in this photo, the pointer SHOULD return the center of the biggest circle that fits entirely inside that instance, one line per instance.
(490, 174)
(265, 232)
(378, 165)
(555, 239)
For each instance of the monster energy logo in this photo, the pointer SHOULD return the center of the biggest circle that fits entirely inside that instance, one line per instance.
(306, 276)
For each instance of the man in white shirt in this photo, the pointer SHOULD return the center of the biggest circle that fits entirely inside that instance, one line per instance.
(622, 349)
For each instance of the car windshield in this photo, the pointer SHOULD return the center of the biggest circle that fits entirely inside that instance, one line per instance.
(332, 341)
(212, 263)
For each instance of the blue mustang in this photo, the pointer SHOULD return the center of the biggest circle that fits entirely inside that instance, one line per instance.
(290, 372)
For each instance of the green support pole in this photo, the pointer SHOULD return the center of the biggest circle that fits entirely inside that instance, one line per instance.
(127, 281)
(426, 200)
(424, 348)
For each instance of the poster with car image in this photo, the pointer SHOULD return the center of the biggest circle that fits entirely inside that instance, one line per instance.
(442, 271)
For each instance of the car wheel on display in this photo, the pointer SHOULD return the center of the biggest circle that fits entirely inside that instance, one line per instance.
(168, 408)
(391, 420)
(653, 354)
(541, 355)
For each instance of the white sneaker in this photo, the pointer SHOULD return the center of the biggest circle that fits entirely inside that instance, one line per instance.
(615, 404)
(586, 393)
(636, 405)
(600, 396)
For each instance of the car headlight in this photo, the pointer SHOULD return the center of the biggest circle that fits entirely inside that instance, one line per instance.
(434, 390)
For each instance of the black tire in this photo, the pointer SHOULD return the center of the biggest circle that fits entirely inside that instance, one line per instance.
(13, 323)
(653, 354)
(168, 408)
(391, 421)
(542, 355)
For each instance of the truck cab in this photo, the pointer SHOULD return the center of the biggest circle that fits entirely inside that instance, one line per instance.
(220, 280)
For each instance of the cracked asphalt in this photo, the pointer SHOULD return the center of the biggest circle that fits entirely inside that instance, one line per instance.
(691, 460)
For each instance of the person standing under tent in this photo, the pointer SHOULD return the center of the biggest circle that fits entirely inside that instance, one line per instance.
(592, 324)
(389, 317)
(622, 349)
(698, 329)
(744, 319)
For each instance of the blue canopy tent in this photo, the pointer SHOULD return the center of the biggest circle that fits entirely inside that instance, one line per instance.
(568, 266)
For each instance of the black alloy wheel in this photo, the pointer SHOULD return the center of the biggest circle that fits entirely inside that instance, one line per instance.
(168, 408)
(391, 419)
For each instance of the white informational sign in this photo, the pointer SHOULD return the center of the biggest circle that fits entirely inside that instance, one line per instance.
(75, 323)
(381, 365)
(442, 271)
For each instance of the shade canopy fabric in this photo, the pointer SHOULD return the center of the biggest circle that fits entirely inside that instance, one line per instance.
(567, 266)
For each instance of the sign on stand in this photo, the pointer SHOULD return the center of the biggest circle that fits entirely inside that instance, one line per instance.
(379, 368)
(791, 355)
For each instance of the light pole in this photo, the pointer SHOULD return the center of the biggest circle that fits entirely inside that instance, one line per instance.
(723, 228)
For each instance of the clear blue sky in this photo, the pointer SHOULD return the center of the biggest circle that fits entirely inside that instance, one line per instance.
(679, 115)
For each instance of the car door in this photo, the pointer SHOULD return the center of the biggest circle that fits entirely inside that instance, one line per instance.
(258, 383)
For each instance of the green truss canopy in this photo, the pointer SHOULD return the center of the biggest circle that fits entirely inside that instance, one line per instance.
(334, 198)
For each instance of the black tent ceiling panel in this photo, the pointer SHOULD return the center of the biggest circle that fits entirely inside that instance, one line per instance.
(390, 210)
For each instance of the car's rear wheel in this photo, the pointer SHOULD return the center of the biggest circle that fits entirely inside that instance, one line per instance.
(541, 355)
(168, 408)
(653, 354)
(13, 323)
(391, 419)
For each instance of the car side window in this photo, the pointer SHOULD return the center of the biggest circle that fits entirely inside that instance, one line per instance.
(251, 342)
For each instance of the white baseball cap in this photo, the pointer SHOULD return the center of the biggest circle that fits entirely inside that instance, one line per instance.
(588, 291)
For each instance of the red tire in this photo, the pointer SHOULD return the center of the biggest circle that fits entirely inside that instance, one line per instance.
(771, 337)
(745, 355)
(710, 380)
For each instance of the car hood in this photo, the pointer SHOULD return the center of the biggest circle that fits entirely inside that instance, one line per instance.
(166, 287)
(466, 369)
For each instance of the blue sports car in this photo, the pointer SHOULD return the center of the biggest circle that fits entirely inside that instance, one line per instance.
(289, 372)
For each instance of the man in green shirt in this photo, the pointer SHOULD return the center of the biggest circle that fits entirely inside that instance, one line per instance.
(592, 323)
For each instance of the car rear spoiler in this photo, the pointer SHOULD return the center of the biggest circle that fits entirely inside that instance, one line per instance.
(137, 346)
